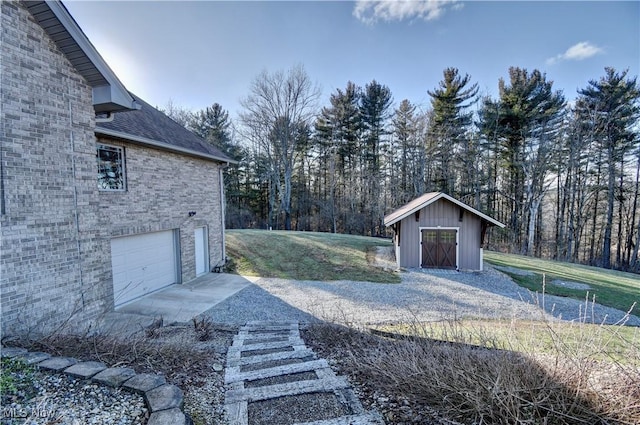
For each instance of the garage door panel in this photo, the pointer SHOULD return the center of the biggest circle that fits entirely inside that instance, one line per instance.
(142, 264)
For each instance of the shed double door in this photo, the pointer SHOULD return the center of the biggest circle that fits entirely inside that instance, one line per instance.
(439, 248)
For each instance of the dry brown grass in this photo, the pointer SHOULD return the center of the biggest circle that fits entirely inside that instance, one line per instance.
(175, 351)
(189, 355)
(452, 382)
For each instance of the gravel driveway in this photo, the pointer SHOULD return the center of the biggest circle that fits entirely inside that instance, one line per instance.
(421, 296)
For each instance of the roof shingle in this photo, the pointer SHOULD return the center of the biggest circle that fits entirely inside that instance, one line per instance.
(150, 126)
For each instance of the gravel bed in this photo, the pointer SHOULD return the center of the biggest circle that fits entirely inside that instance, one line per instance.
(59, 399)
(421, 296)
(63, 400)
(296, 409)
(281, 379)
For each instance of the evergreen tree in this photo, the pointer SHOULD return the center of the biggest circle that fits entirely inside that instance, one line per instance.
(525, 121)
(449, 125)
(407, 155)
(374, 106)
(338, 131)
(213, 125)
(612, 104)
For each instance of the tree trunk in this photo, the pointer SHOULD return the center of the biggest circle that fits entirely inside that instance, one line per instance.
(632, 260)
(531, 231)
(606, 243)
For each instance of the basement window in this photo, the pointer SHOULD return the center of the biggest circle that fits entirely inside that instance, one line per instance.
(111, 173)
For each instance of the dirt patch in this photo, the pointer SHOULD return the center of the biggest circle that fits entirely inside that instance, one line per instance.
(571, 285)
(268, 364)
(383, 257)
(264, 351)
(514, 270)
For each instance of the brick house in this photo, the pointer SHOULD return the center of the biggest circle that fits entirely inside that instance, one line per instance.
(102, 197)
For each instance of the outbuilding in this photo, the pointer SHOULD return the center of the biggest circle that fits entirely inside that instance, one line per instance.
(438, 231)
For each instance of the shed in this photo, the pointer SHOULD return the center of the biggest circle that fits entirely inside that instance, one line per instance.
(438, 231)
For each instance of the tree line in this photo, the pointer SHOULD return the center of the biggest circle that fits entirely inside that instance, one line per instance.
(563, 176)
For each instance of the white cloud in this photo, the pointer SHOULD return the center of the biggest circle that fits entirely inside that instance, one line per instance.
(372, 11)
(577, 52)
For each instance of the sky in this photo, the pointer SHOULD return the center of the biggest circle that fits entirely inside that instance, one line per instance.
(196, 53)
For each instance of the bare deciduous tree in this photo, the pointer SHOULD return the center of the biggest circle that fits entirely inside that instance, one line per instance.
(276, 117)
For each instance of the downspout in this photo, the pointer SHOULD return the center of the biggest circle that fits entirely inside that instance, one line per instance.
(222, 214)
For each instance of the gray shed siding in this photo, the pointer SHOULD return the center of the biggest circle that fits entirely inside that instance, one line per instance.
(444, 214)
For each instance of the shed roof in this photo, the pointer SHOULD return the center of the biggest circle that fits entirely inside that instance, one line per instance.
(427, 199)
(148, 126)
(109, 94)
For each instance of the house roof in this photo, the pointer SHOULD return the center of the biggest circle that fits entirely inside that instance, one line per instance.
(148, 126)
(427, 199)
(109, 94)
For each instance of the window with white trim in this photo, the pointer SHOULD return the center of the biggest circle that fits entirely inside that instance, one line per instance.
(111, 171)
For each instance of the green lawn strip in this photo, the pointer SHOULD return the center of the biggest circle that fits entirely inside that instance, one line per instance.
(599, 342)
(610, 287)
(305, 255)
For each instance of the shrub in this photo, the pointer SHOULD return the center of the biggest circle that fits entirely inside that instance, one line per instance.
(474, 384)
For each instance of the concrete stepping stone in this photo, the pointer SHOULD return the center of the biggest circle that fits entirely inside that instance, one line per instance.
(283, 355)
(85, 370)
(237, 376)
(164, 397)
(144, 382)
(290, 388)
(114, 376)
(57, 364)
(33, 357)
(11, 352)
(169, 417)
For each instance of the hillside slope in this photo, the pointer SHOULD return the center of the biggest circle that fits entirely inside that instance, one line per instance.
(306, 255)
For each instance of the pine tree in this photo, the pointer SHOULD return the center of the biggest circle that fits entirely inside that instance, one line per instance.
(338, 132)
(524, 122)
(375, 104)
(449, 125)
(613, 105)
(407, 155)
(213, 125)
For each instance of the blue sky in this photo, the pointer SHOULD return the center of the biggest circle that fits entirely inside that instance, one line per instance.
(201, 52)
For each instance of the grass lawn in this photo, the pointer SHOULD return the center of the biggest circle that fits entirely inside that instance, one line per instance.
(611, 288)
(601, 342)
(306, 255)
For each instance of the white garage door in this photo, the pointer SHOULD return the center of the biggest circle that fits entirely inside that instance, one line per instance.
(142, 264)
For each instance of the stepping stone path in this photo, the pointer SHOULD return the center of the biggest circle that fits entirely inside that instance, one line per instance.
(273, 378)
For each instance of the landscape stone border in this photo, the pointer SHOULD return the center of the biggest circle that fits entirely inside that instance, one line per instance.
(164, 401)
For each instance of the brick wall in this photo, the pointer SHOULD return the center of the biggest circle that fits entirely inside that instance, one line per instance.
(56, 227)
(162, 188)
(48, 167)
